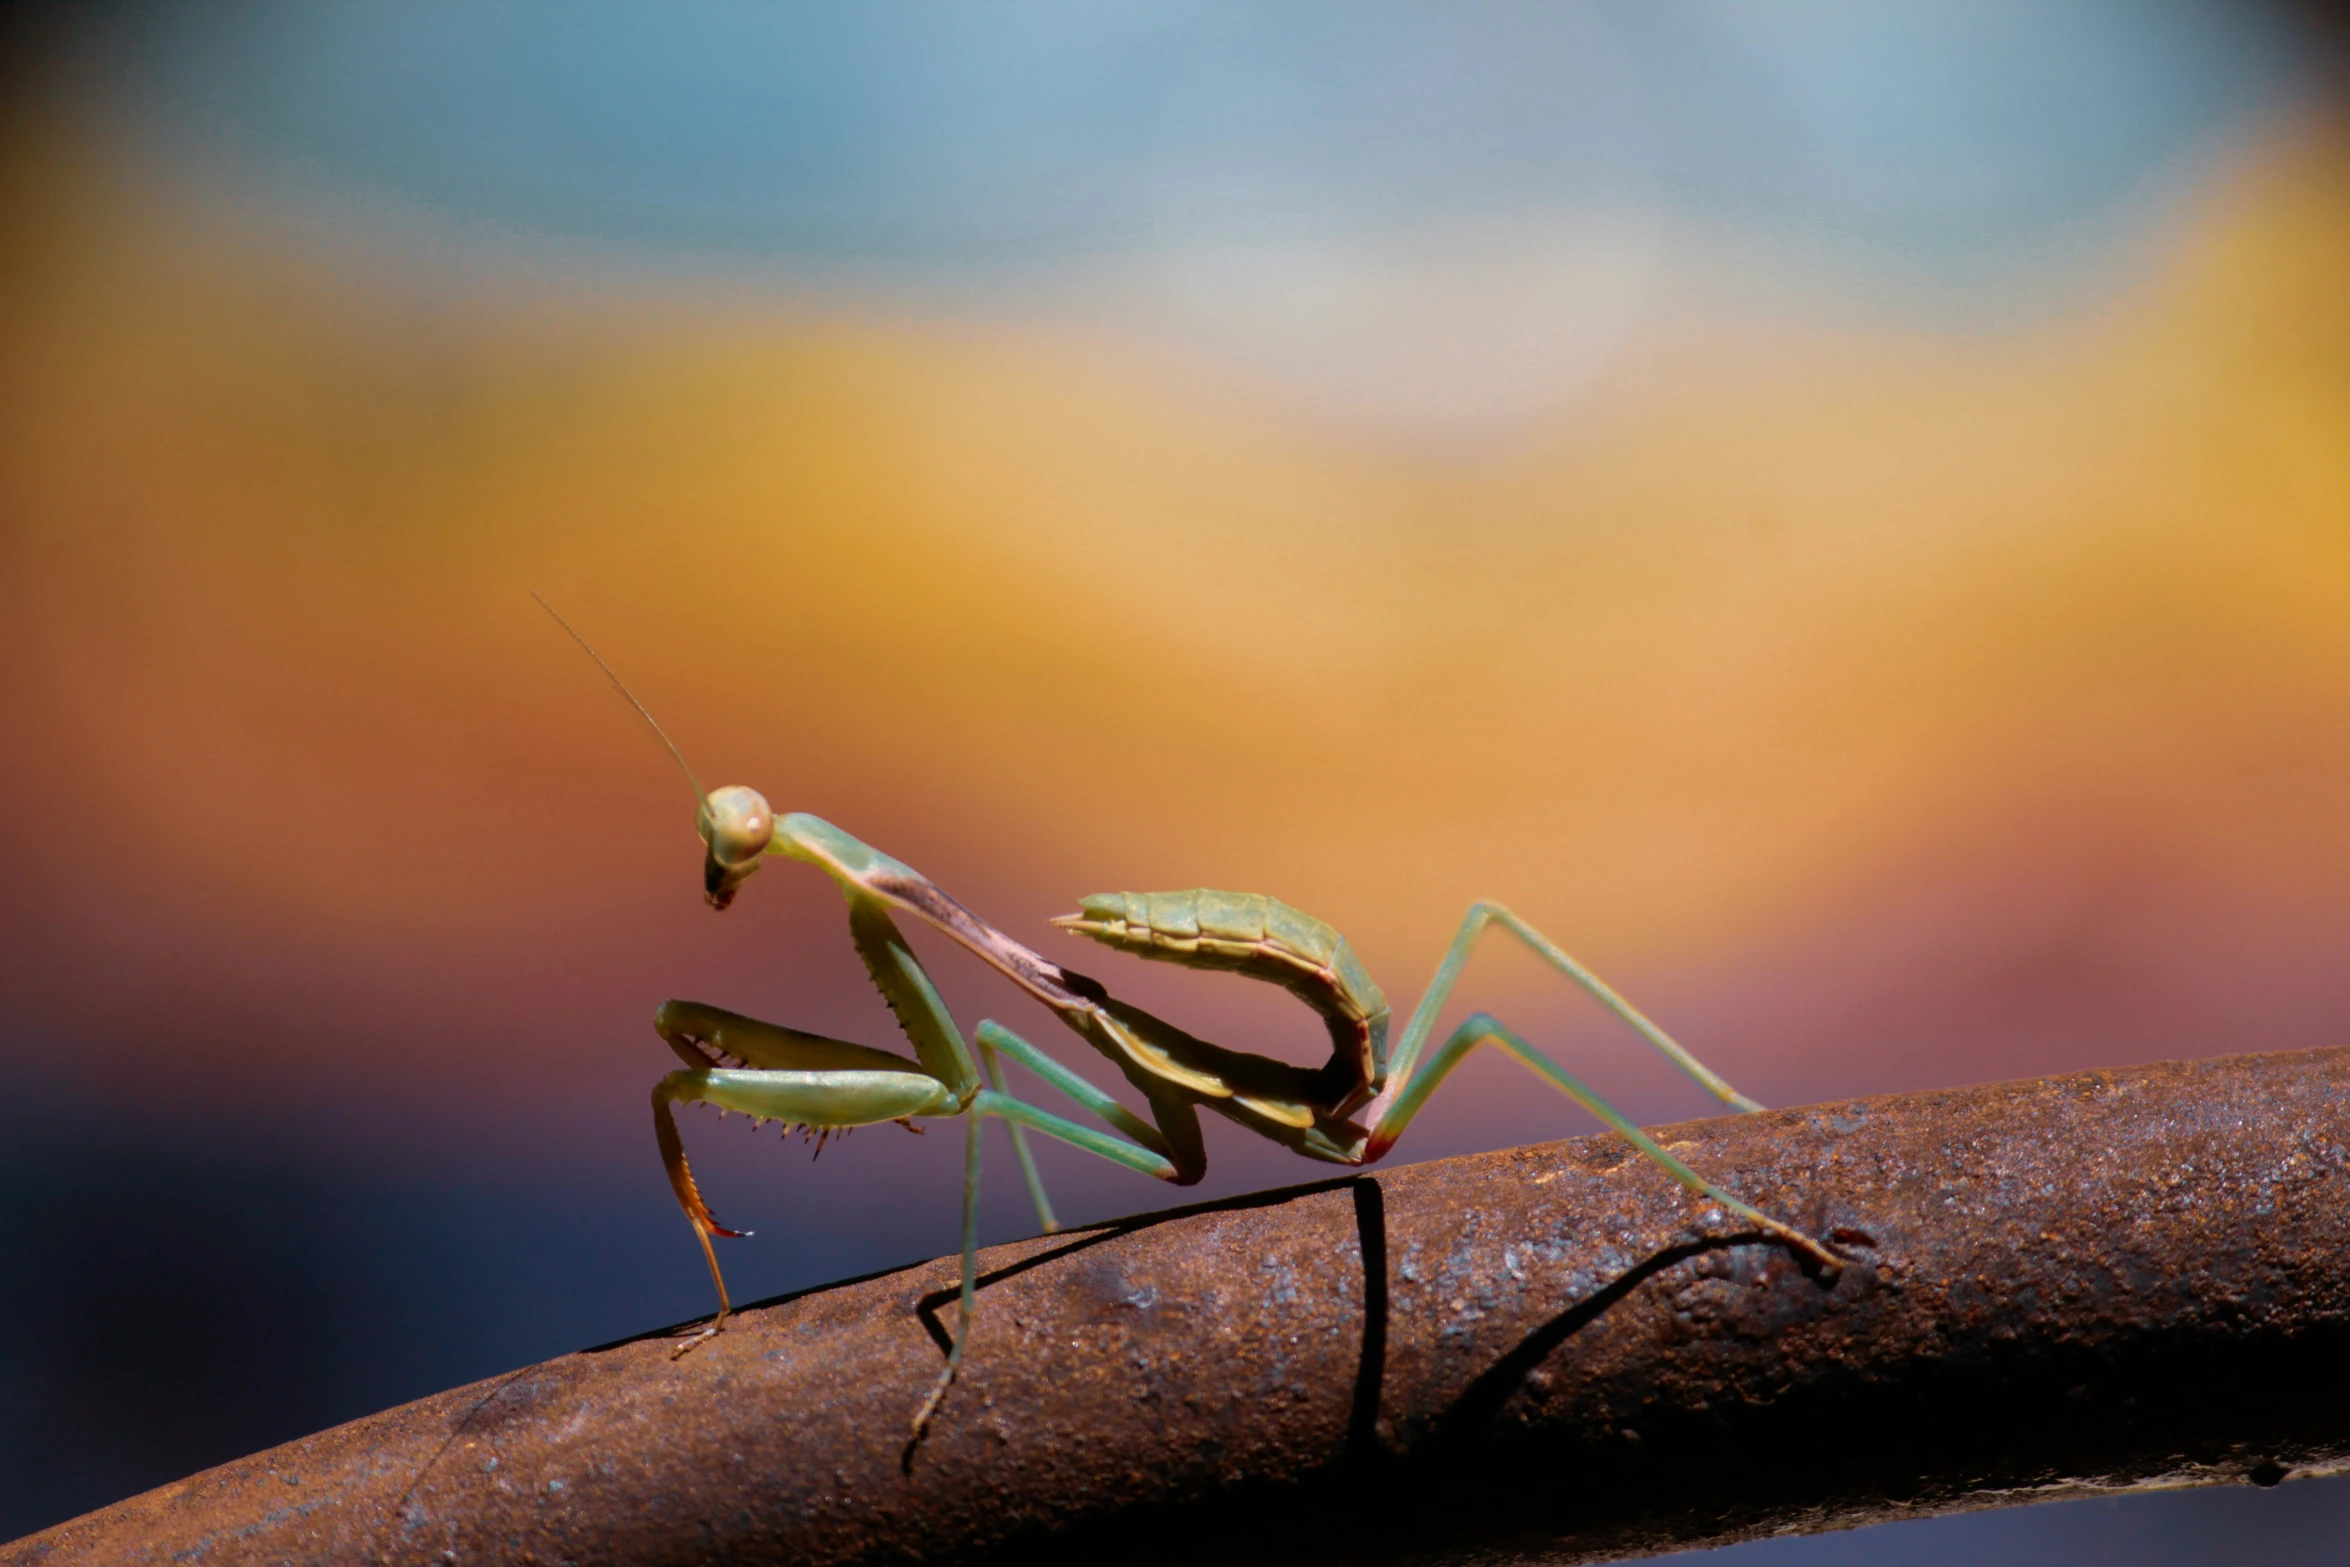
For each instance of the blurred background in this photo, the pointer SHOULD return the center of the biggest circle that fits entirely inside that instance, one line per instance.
(1838, 513)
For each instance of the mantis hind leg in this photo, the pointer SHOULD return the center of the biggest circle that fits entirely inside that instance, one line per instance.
(1486, 913)
(1485, 1029)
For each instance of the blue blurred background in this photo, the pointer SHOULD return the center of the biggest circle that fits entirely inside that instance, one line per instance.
(1837, 512)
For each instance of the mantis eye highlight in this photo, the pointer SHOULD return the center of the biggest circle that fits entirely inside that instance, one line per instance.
(737, 826)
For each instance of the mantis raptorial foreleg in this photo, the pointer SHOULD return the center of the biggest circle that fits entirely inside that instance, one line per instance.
(827, 1100)
(905, 985)
(862, 1096)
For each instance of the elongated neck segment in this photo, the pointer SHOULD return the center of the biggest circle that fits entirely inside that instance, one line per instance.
(857, 865)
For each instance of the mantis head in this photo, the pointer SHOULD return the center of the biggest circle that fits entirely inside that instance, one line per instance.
(735, 823)
(736, 826)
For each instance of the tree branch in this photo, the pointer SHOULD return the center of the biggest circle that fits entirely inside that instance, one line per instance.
(2066, 1284)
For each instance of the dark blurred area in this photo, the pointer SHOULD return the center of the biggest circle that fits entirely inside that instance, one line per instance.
(172, 1303)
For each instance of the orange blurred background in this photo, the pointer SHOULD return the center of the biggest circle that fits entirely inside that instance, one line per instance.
(1884, 694)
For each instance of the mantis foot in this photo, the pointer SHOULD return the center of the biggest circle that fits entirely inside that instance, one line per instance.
(924, 1415)
(694, 1341)
(1831, 1261)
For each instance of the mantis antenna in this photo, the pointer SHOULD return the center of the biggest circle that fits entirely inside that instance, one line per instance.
(700, 794)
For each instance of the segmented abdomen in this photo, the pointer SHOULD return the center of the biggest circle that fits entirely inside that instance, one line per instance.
(1263, 938)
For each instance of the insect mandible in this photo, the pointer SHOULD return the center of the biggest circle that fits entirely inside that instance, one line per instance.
(1349, 1111)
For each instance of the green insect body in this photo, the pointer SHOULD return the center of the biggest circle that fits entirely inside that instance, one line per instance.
(772, 1072)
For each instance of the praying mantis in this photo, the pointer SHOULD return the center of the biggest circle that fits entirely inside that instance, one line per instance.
(1349, 1111)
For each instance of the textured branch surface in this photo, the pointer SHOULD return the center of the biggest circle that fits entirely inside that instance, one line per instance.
(2076, 1282)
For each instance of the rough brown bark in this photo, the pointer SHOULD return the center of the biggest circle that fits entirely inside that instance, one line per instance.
(2070, 1283)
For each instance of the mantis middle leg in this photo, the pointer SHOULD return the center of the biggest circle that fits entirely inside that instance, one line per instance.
(1018, 1114)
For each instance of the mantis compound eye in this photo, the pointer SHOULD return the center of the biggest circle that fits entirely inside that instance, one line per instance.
(737, 826)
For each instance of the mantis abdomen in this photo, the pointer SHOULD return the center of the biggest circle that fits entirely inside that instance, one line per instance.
(1263, 938)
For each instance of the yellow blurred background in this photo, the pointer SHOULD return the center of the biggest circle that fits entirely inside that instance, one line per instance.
(1785, 633)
